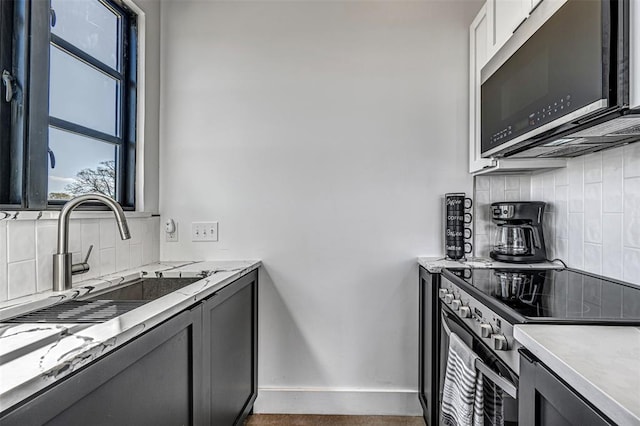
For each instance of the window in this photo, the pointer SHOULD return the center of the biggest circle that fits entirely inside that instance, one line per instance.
(69, 127)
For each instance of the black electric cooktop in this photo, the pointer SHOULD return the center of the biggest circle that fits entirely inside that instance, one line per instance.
(554, 295)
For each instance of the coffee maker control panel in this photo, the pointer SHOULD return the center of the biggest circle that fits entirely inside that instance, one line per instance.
(503, 211)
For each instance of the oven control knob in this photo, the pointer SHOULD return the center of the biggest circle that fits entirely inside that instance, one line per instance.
(465, 312)
(448, 298)
(499, 342)
(455, 304)
(486, 330)
(442, 292)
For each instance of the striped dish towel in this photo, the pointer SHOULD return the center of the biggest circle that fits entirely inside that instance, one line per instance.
(462, 400)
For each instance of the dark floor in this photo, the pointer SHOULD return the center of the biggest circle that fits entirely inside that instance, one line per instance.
(318, 420)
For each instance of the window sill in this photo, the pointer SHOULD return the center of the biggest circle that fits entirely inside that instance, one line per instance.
(78, 214)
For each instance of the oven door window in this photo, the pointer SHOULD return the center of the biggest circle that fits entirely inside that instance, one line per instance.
(499, 407)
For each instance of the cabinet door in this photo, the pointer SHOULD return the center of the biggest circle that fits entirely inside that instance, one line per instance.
(478, 56)
(504, 16)
(149, 381)
(545, 400)
(230, 351)
(428, 354)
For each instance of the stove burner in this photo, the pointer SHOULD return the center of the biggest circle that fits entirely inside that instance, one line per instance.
(559, 294)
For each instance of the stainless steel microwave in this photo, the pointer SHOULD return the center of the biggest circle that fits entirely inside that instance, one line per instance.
(565, 91)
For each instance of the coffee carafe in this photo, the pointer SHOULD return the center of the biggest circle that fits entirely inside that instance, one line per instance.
(519, 237)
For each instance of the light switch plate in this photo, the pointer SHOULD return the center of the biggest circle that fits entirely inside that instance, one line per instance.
(204, 231)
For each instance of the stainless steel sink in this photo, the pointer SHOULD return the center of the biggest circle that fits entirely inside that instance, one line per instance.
(107, 304)
(144, 289)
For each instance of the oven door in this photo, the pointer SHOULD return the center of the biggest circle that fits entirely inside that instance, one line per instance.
(500, 383)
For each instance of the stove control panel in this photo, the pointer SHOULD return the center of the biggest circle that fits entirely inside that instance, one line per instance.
(492, 329)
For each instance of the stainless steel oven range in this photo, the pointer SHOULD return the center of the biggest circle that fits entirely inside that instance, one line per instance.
(482, 306)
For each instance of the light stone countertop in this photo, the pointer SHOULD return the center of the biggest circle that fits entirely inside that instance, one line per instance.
(602, 363)
(36, 355)
(435, 265)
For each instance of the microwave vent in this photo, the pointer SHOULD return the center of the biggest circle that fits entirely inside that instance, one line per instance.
(628, 125)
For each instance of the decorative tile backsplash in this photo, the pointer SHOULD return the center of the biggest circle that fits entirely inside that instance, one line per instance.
(27, 247)
(593, 211)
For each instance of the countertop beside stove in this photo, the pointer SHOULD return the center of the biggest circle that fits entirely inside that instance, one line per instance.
(435, 265)
(27, 367)
(602, 363)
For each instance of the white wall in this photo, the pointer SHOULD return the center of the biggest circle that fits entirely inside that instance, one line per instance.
(321, 135)
(592, 220)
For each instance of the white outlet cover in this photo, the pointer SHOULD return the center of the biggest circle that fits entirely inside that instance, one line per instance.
(204, 231)
(172, 237)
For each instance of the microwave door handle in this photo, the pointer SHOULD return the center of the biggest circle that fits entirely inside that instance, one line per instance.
(507, 387)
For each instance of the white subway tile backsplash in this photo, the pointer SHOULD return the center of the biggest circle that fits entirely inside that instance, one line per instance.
(497, 188)
(549, 190)
(27, 247)
(593, 213)
(525, 188)
(631, 232)
(122, 254)
(632, 197)
(75, 236)
(537, 187)
(561, 249)
(593, 258)
(483, 183)
(593, 168)
(512, 195)
(593, 218)
(107, 260)
(612, 245)
(576, 240)
(632, 160)
(562, 212)
(136, 255)
(612, 181)
(512, 183)
(4, 289)
(562, 177)
(108, 233)
(575, 173)
(135, 229)
(21, 236)
(46, 240)
(21, 278)
(631, 259)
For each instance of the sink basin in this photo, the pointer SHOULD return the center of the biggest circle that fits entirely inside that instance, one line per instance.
(107, 304)
(144, 289)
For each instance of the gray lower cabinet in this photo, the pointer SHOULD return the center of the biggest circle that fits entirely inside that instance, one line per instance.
(545, 400)
(197, 368)
(230, 348)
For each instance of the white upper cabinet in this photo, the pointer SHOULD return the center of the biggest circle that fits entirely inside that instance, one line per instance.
(479, 55)
(503, 18)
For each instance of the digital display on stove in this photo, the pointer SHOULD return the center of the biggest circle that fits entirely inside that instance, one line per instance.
(559, 294)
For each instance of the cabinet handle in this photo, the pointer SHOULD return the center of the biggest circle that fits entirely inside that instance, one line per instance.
(535, 7)
(519, 25)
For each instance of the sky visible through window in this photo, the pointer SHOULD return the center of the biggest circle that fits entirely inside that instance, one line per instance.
(81, 94)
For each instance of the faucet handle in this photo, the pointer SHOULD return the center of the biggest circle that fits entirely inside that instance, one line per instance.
(86, 259)
(81, 268)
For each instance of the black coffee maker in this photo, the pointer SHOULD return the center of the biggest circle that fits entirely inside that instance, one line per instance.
(519, 237)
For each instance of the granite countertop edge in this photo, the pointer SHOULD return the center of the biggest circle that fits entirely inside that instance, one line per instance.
(69, 347)
(565, 349)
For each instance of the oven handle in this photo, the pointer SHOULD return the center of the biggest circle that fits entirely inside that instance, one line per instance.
(502, 383)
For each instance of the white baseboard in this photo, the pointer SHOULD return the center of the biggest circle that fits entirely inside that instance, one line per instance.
(337, 401)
